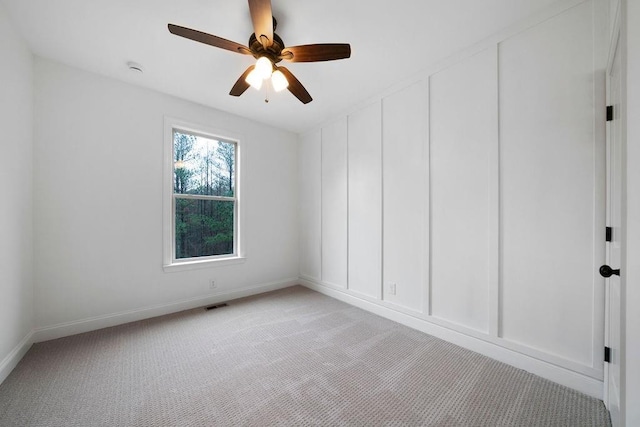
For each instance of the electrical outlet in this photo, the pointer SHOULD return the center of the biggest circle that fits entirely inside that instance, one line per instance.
(392, 288)
(212, 284)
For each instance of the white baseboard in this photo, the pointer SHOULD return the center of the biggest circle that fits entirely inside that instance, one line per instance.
(12, 359)
(582, 383)
(94, 323)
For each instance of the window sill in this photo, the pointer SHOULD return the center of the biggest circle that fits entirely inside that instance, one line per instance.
(208, 263)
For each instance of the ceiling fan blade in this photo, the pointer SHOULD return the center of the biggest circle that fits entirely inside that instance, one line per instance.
(262, 21)
(241, 85)
(317, 52)
(209, 39)
(295, 87)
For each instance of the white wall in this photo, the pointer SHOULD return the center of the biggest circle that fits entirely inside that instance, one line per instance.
(489, 223)
(98, 158)
(631, 255)
(334, 201)
(364, 183)
(405, 196)
(463, 143)
(549, 187)
(310, 205)
(16, 193)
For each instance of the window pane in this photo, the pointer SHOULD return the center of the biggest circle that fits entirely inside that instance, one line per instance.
(204, 228)
(203, 165)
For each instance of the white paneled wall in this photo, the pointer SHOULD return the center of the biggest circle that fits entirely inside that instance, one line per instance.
(309, 196)
(475, 207)
(547, 175)
(405, 196)
(463, 141)
(365, 201)
(334, 203)
(614, 6)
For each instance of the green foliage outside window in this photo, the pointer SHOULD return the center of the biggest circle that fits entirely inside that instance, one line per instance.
(204, 196)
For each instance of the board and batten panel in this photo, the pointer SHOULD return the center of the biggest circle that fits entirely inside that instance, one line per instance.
(404, 117)
(334, 203)
(365, 201)
(309, 187)
(612, 10)
(463, 137)
(547, 186)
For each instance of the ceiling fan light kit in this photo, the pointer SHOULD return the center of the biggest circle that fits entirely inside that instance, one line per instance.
(254, 79)
(264, 67)
(279, 81)
(263, 70)
(268, 49)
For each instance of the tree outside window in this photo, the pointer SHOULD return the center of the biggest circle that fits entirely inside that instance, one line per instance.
(204, 196)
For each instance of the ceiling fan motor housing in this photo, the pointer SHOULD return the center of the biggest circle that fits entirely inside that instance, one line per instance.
(273, 52)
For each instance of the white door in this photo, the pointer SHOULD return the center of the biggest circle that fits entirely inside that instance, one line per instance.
(614, 187)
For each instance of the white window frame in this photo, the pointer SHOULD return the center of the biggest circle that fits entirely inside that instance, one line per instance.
(170, 263)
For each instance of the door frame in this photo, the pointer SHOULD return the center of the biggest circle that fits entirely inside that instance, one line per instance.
(615, 48)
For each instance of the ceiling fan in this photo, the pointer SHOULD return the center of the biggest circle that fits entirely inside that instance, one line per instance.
(269, 49)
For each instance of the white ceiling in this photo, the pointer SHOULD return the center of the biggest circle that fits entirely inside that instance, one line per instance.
(390, 41)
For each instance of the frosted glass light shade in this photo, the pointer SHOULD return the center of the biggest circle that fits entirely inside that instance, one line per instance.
(254, 79)
(264, 67)
(279, 81)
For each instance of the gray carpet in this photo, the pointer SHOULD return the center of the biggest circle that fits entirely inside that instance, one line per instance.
(290, 357)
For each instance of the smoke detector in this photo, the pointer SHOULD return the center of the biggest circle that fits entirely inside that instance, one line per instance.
(134, 66)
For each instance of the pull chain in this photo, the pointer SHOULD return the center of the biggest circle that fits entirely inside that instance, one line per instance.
(266, 92)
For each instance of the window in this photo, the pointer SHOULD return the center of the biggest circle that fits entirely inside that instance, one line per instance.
(202, 208)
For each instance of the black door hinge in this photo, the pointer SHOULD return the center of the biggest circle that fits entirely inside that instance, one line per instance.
(607, 354)
(609, 234)
(609, 113)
